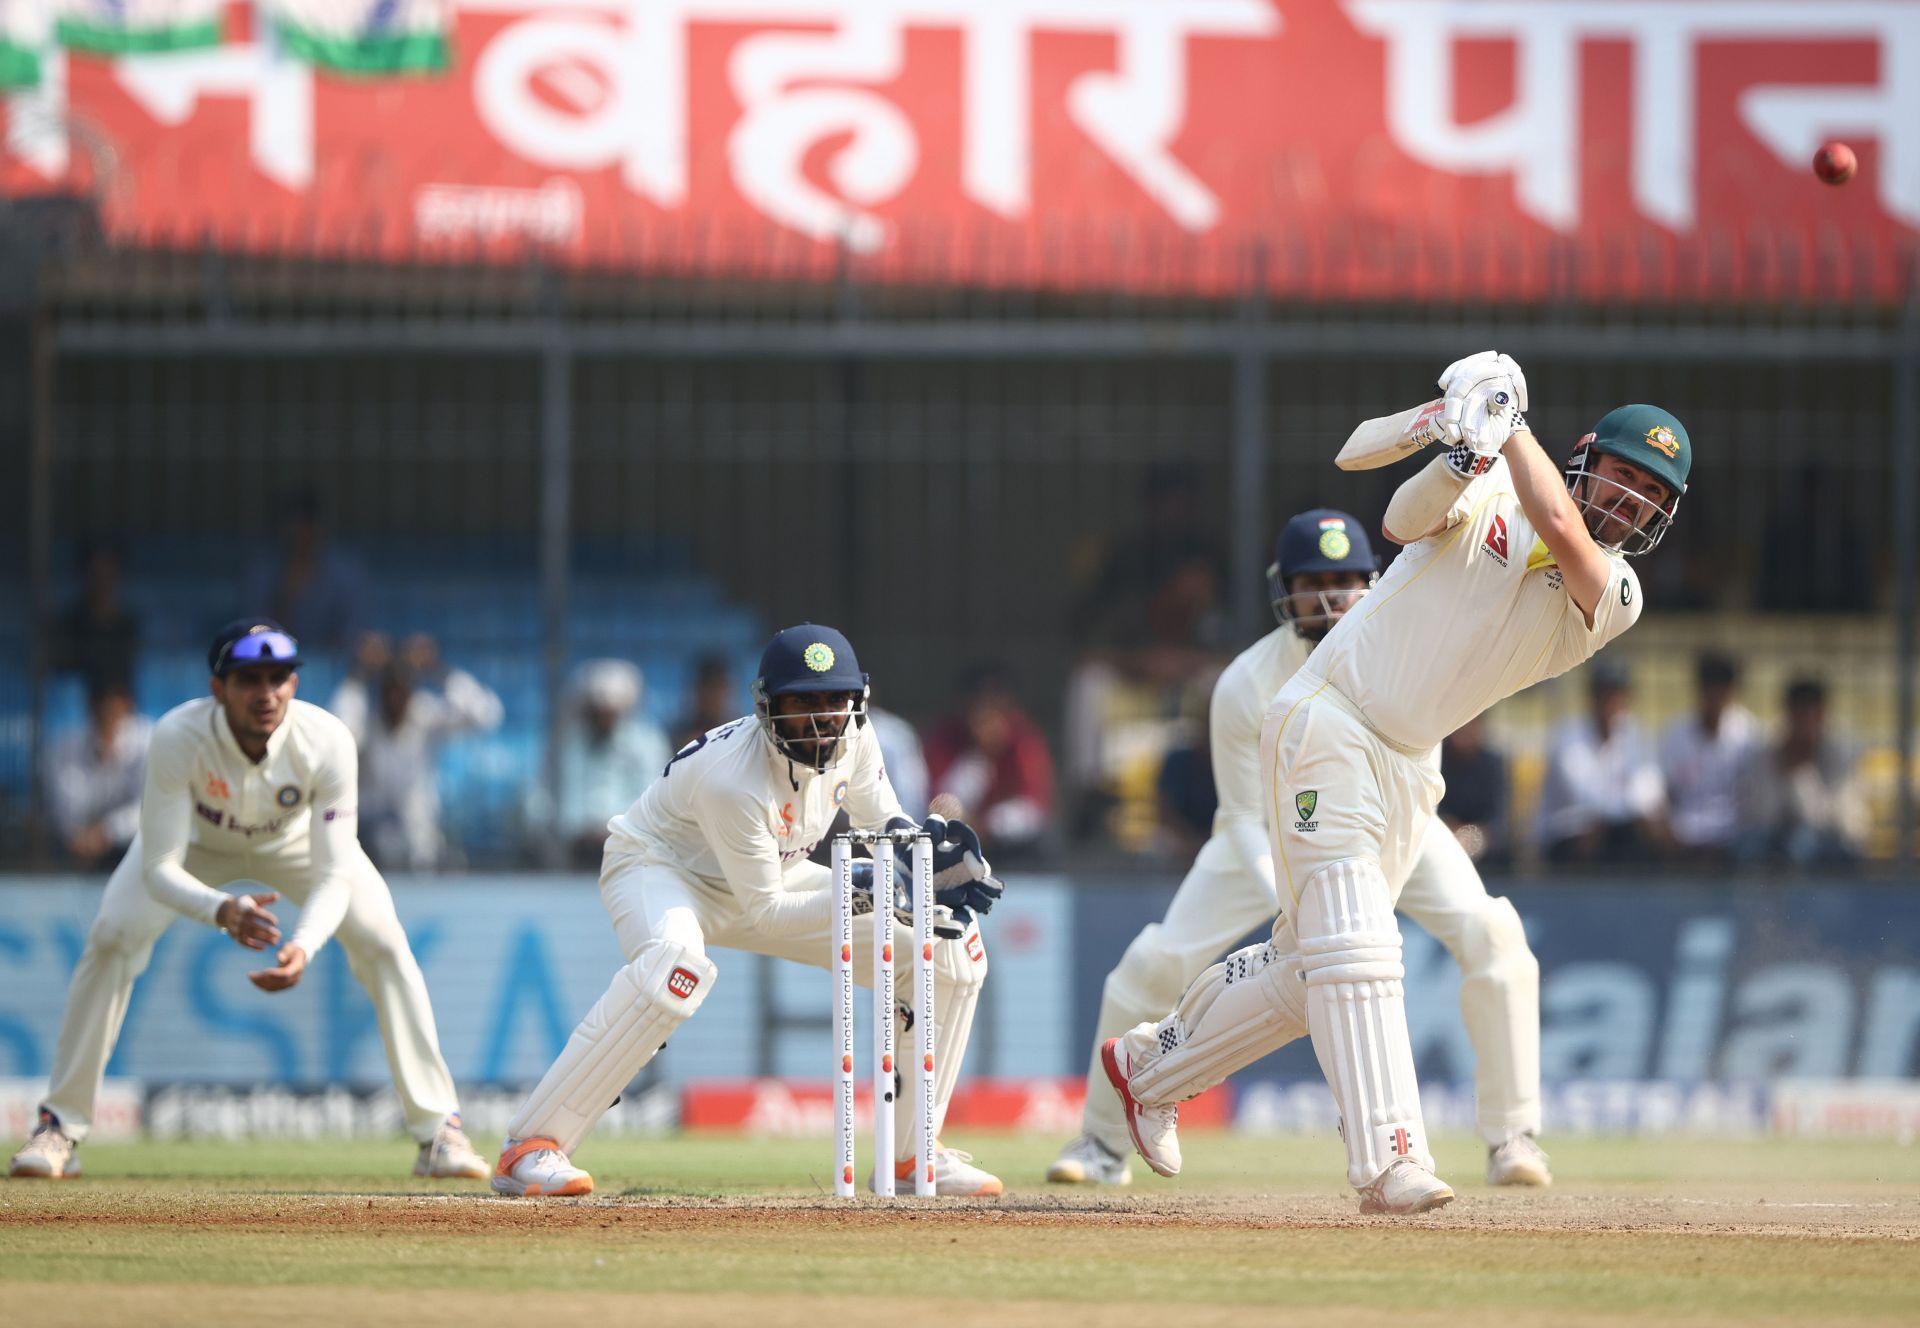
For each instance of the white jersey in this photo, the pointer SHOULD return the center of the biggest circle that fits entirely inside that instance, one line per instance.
(294, 809)
(1240, 699)
(738, 816)
(1466, 618)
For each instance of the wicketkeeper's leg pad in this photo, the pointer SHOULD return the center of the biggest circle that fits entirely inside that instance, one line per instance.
(1356, 1007)
(645, 1003)
(1237, 1011)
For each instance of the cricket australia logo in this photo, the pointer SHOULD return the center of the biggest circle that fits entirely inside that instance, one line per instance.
(1305, 803)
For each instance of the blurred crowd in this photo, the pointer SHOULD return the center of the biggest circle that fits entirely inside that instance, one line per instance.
(1715, 789)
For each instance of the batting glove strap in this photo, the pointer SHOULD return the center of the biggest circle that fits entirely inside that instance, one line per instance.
(1467, 463)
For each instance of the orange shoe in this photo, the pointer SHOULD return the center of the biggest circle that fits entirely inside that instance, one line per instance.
(954, 1175)
(536, 1167)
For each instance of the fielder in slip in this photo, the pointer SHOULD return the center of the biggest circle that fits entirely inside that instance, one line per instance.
(716, 853)
(252, 788)
(1513, 572)
(1323, 566)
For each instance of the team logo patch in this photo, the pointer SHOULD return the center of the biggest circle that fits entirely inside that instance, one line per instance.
(217, 787)
(682, 983)
(840, 791)
(818, 656)
(288, 796)
(1335, 544)
(1660, 438)
(1304, 803)
(1626, 591)
(1496, 541)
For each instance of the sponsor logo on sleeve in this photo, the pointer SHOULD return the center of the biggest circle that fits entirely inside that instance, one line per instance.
(338, 814)
(682, 983)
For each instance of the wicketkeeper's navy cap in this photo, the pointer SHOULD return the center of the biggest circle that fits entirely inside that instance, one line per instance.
(1324, 540)
(809, 658)
(247, 642)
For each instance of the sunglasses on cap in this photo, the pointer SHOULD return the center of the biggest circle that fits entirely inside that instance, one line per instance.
(257, 648)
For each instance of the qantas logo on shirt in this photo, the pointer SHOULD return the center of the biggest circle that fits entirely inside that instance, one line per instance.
(1496, 541)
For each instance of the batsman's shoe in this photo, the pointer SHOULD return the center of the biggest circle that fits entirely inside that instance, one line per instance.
(536, 1166)
(49, 1154)
(1087, 1161)
(449, 1155)
(1405, 1187)
(954, 1176)
(1155, 1129)
(1518, 1161)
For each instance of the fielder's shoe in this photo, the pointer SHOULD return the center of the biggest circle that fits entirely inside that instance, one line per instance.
(1405, 1187)
(954, 1176)
(536, 1166)
(1087, 1161)
(49, 1154)
(1154, 1128)
(449, 1156)
(1518, 1161)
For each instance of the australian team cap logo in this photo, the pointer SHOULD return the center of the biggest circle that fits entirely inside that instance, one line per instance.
(818, 656)
(1661, 439)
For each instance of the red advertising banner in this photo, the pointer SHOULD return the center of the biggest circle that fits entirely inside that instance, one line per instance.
(783, 1107)
(1460, 148)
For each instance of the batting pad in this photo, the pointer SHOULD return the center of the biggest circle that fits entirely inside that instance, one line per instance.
(1500, 1002)
(1356, 1007)
(1233, 1014)
(646, 1002)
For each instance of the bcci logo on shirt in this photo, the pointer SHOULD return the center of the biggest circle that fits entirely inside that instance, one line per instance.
(1304, 803)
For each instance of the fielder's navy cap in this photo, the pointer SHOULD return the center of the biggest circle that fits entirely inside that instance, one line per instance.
(810, 658)
(246, 642)
(1324, 540)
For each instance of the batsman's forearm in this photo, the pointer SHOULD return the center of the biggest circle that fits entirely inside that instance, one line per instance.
(1422, 502)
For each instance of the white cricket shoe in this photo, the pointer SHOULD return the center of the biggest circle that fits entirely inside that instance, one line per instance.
(954, 1176)
(449, 1155)
(1518, 1161)
(1087, 1161)
(1405, 1187)
(536, 1166)
(49, 1154)
(1154, 1128)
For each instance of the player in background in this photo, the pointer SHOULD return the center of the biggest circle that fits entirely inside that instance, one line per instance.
(1323, 566)
(1513, 572)
(715, 853)
(252, 789)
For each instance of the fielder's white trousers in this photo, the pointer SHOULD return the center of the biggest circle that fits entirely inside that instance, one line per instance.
(650, 901)
(130, 920)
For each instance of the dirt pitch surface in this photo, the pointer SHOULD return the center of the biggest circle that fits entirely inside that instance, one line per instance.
(1758, 1233)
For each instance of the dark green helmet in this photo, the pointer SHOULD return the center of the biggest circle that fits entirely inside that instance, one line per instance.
(1643, 436)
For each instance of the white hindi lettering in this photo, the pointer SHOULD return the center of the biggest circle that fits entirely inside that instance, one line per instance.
(798, 85)
(279, 93)
(1537, 138)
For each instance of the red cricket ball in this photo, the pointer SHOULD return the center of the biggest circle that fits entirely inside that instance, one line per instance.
(1835, 163)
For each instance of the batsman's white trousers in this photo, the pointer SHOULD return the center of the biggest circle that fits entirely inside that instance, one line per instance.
(653, 902)
(130, 920)
(1220, 901)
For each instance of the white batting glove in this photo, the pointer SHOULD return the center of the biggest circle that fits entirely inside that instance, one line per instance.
(1462, 376)
(1482, 419)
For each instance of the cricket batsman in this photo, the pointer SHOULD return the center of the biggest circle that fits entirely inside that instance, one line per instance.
(253, 789)
(1323, 566)
(715, 852)
(1513, 572)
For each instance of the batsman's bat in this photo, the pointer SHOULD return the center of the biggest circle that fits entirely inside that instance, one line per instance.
(1386, 440)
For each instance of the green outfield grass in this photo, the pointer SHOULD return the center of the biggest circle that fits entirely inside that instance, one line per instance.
(712, 1229)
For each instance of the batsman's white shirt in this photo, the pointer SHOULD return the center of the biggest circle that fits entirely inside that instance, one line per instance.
(292, 813)
(1466, 618)
(736, 816)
